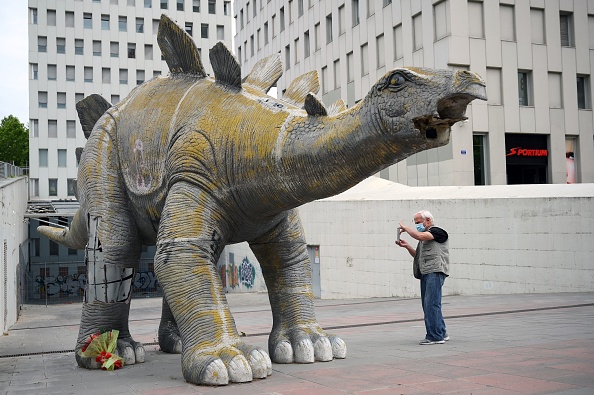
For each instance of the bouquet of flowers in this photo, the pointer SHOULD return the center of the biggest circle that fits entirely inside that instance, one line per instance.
(101, 345)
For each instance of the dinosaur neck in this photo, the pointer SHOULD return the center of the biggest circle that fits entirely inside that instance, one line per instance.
(325, 156)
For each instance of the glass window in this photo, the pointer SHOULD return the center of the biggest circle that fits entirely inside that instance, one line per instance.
(370, 8)
(123, 23)
(189, 28)
(104, 22)
(131, 50)
(88, 74)
(364, 59)
(350, 67)
(60, 45)
(479, 147)
(204, 30)
(221, 32)
(341, 20)
(148, 3)
(476, 27)
(35, 127)
(328, 28)
(52, 128)
(33, 15)
(287, 57)
(355, 10)
(61, 100)
(42, 99)
(381, 57)
(54, 248)
(507, 25)
(567, 33)
(306, 44)
(148, 52)
(282, 18)
(555, 90)
(537, 25)
(52, 72)
(139, 25)
(61, 158)
(525, 88)
(398, 50)
(265, 33)
(114, 49)
(41, 44)
(69, 19)
(70, 129)
(164, 4)
(495, 95)
(226, 7)
(123, 76)
(43, 157)
(71, 192)
(96, 48)
(583, 92)
(196, 6)
(336, 73)
(106, 75)
(78, 46)
(139, 77)
(88, 20)
(417, 32)
(51, 17)
(180, 5)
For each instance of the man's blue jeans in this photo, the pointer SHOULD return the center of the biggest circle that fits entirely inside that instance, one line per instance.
(431, 284)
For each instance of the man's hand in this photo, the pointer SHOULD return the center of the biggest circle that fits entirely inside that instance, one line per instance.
(404, 244)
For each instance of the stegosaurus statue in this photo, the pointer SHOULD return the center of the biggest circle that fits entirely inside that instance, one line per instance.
(193, 163)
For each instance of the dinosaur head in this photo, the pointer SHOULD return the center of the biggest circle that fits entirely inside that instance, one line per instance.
(419, 105)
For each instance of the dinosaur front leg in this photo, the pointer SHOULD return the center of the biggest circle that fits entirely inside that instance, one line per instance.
(190, 240)
(296, 335)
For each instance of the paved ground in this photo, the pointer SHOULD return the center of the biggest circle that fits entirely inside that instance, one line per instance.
(510, 344)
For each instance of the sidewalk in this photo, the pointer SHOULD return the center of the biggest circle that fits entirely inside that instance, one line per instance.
(502, 344)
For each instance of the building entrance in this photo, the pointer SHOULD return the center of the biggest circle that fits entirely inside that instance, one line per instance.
(527, 158)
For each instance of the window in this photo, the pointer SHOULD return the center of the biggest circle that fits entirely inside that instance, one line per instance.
(555, 90)
(60, 45)
(287, 57)
(180, 5)
(370, 8)
(139, 25)
(70, 129)
(148, 3)
(364, 59)
(123, 76)
(78, 97)
(525, 88)
(226, 7)
(296, 49)
(61, 99)
(96, 48)
(88, 20)
(204, 30)
(106, 75)
(567, 33)
(189, 28)
(350, 67)
(196, 5)
(583, 92)
(114, 49)
(329, 29)
(306, 45)
(476, 27)
(255, 8)
(148, 52)
(290, 11)
(417, 32)
(164, 5)
(247, 13)
(115, 99)
(336, 73)
(139, 77)
(52, 128)
(51, 17)
(341, 20)
(258, 40)
(34, 71)
(317, 42)
(71, 192)
(123, 23)
(54, 248)
(265, 33)
(88, 74)
(239, 53)
(381, 57)
(104, 22)
(282, 19)
(53, 191)
(221, 32)
(386, 2)
(51, 72)
(273, 26)
(42, 99)
(78, 47)
(507, 24)
(43, 157)
(41, 44)
(241, 19)
(537, 25)
(33, 15)
(252, 46)
(70, 73)
(324, 79)
(212, 6)
(69, 19)
(131, 50)
(61, 158)
(300, 8)
(398, 51)
(441, 18)
(34, 128)
(479, 149)
(155, 26)
(495, 95)
(355, 7)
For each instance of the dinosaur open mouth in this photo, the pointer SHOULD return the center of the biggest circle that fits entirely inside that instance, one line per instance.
(450, 109)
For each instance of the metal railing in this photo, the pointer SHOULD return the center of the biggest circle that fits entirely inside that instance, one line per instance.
(64, 282)
(8, 170)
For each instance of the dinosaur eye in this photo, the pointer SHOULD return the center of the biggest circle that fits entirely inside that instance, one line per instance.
(397, 79)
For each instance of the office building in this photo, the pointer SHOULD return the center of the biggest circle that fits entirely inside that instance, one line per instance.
(81, 47)
(535, 55)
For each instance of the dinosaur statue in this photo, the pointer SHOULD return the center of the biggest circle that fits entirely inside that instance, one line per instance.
(192, 163)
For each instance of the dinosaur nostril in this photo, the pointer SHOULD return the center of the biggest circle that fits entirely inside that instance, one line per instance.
(431, 133)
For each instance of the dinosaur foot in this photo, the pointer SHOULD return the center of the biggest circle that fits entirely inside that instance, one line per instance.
(236, 364)
(306, 346)
(169, 338)
(127, 348)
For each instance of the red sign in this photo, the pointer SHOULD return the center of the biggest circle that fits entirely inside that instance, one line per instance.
(519, 151)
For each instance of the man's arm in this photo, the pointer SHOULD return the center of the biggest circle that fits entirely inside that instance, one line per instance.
(415, 234)
(408, 247)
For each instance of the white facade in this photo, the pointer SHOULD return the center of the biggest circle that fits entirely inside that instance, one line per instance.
(502, 239)
(81, 47)
(535, 55)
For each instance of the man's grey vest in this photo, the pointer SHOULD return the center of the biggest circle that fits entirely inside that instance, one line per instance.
(432, 257)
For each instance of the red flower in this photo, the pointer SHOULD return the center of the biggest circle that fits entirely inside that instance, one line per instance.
(117, 364)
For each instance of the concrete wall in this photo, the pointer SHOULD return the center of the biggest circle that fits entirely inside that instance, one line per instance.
(503, 239)
(13, 244)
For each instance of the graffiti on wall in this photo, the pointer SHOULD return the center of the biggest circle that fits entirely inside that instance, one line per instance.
(74, 284)
(234, 275)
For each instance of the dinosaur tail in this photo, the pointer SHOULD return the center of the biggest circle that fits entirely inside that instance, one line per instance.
(74, 237)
